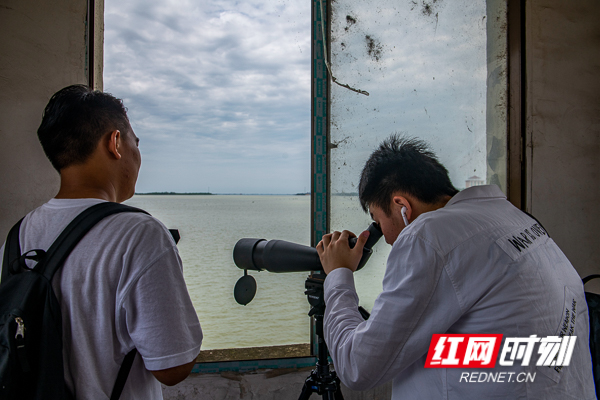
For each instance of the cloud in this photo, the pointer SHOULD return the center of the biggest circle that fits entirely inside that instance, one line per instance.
(208, 83)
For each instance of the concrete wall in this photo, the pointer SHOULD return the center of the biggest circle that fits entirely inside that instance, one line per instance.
(563, 125)
(98, 44)
(43, 48)
(258, 386)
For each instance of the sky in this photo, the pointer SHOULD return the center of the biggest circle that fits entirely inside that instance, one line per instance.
(217, 91)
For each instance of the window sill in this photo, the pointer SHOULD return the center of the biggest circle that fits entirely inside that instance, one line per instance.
(289, 357)
(254, 353)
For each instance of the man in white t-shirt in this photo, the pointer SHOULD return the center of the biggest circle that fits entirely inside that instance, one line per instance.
(461, 263)
(122, 286)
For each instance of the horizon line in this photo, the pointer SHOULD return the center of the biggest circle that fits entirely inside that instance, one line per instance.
(222, 194)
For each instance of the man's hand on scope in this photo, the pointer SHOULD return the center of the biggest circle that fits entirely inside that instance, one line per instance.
(335, 252)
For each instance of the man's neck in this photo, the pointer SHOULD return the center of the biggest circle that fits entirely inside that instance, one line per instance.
(78, 183)
(426, 207)
(83, 193)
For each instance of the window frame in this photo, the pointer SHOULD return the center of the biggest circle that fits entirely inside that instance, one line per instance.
(320, 150)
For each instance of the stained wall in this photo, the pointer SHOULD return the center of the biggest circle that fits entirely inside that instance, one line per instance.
(42, 49)
(563, 125)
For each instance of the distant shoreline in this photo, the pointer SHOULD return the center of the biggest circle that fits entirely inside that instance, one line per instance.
(218, 194)
(233, 194)
(175, 193)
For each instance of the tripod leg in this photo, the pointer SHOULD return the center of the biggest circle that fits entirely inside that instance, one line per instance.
(306, 392)
(309, 387)
(327, 396)
(338, 394)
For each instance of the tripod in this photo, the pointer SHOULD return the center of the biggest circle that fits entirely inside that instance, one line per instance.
(322, 379)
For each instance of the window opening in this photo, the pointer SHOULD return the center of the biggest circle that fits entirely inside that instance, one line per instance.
(433, 69)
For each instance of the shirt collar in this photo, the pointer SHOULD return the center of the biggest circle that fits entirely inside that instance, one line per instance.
(63, 203)
(477, 193)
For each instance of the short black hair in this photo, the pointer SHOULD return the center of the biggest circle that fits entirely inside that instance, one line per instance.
(407, 165)
(75, 120)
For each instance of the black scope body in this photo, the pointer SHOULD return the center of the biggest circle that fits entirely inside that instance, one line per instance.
(282, 256)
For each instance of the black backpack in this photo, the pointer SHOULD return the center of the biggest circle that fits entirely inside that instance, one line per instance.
(593, 303)
(31, 361)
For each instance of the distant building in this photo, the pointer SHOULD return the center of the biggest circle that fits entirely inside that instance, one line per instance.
(474, 181)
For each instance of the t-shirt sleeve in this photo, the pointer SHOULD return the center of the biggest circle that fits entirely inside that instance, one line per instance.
(157, 311)
(418, 299)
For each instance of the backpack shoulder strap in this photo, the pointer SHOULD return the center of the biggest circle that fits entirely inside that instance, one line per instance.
(122, 375)
(75, 231)
(12, 249)
(589, 278)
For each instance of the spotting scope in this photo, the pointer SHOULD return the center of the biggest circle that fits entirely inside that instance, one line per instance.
(282, 256)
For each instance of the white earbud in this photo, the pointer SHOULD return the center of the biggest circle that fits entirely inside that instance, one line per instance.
(403, 211)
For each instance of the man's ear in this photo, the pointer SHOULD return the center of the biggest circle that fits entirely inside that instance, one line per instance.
(401, 201)
(114, 142)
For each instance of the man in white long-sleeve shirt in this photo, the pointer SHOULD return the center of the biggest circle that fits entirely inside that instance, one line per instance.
(461, 263)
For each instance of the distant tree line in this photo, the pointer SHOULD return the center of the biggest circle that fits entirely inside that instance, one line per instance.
(171, 193)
